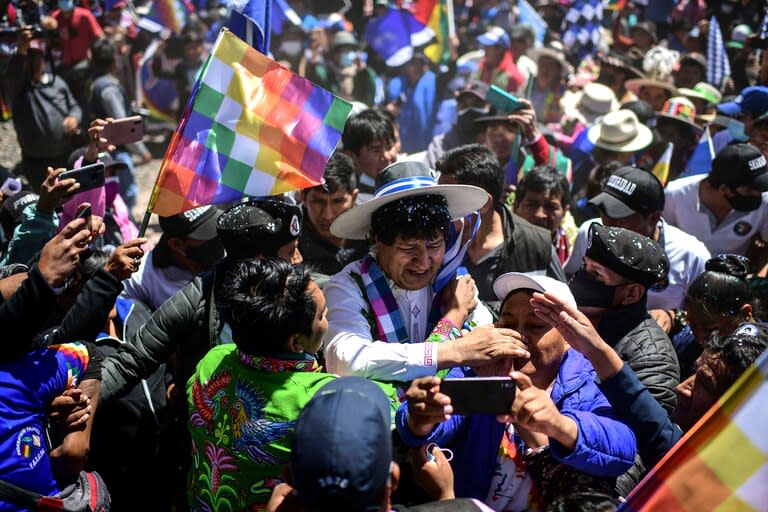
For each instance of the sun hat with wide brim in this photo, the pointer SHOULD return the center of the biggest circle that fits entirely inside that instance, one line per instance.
(619, 62)
(401, 180)
(554, 54)
(592, 102)
(634, 85)
(681, 110)
(620, 131)
(702, 91)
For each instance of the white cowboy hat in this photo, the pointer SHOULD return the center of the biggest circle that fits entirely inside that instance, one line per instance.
(620, 131)
(594, 101)
(406, 179)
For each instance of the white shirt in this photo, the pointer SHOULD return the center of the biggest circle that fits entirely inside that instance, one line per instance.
(153, 286)
(732, 236)
(351, 350)
(687, 257)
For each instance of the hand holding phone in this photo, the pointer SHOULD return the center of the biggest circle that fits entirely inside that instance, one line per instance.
(124, 131)
(88, 176)
(480, 395)
(502, 100)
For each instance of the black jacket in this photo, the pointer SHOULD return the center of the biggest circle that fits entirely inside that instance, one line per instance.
(323, 256)
(186, 324)
(646, 348)
(526, 248)
(25, 314)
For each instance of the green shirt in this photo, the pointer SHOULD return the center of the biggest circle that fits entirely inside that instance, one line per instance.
(242, 412)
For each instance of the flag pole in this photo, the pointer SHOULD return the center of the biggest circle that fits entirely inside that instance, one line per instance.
(451, 19)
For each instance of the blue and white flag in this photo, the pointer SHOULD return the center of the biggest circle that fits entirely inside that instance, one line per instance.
(529, 16)
(701, 158)
(719, 67)
(251, 22)
(581, 26)
(282, 12)
(395, 34)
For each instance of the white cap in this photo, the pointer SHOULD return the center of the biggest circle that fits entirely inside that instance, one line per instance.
(511, 281)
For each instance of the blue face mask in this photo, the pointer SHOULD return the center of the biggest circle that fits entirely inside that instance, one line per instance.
(736, 129)
(348, 59)
(66, 5)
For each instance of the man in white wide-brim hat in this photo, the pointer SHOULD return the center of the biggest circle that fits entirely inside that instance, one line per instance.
(388, 316)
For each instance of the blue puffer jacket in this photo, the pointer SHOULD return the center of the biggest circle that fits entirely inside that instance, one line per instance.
(605, 447)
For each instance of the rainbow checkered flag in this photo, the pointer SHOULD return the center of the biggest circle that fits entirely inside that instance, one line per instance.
(251, 128)
(719, 67)
(581, 26)
(661, 169)
(722, 462)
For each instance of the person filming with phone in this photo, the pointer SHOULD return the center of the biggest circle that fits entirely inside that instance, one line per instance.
(559, 435)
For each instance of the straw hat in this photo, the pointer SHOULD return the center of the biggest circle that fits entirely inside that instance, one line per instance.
(620, 131)
(555, 52)
(400, 180)
(704, 91)
(594, 101)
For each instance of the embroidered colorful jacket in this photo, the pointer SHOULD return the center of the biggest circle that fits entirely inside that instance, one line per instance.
(242, 414)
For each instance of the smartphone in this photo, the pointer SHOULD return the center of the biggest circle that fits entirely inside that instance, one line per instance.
(502, 100)
(480, 395)
(85, 213)
(124, 131)
(89, 176)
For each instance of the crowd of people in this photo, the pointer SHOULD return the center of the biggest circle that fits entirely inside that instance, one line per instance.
(601, 240)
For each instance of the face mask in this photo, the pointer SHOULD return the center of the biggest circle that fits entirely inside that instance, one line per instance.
(292, 48)
(736, 129)
(745, 203)
(66, 5)
(206, 255)
(590, 292)
(348, 59)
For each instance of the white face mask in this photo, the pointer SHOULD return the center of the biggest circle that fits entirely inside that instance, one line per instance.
(292, 48)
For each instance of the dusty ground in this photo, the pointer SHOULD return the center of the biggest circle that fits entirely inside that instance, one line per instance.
(145, 174)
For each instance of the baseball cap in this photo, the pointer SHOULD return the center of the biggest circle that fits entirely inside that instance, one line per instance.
(475, 87)
(195, 224)
(753, 99)
(511, 281)
(630, 190)
(739, 36)
(494, 36)
(13, 207)
(629, 254)
(742, 164)
(258, 227)
(350, 419)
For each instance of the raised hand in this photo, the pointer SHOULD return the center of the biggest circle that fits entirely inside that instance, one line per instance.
(427, 406)
(482, 346)
(55, 192)
(61, 255)
(125, 259)
(459, 298)
(534, 410)
(578, 331)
